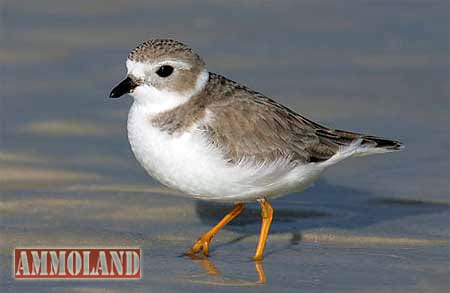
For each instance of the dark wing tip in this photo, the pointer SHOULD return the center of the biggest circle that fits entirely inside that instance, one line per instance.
(383, 143)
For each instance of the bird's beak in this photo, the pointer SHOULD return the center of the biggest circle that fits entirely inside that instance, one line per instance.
(124, 87)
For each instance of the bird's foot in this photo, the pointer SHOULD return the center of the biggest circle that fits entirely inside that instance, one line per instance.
(202, 245)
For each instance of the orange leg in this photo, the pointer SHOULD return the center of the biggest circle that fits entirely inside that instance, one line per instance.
(203, 242)
(267, 215)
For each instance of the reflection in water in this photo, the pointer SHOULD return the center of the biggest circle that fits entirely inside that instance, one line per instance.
(211, 270)
(206, 264)
(260, 270)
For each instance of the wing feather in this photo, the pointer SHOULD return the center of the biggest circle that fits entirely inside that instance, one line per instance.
(248, 125)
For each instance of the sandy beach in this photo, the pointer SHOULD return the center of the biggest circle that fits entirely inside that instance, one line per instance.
(372, 224)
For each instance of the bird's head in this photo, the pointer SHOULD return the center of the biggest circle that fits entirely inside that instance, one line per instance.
(162, 74)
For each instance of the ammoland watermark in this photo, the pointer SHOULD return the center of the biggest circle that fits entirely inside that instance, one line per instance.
(77, 263)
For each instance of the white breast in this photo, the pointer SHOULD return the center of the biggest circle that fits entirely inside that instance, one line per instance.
(187, 162)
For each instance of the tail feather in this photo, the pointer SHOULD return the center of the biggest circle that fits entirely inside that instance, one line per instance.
(363, 145)
(345, 138)
(378, 142)
(342, 144)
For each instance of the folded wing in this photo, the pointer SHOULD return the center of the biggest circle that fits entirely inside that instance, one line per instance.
(248, 125)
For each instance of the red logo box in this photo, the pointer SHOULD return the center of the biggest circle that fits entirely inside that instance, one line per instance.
(77, 263)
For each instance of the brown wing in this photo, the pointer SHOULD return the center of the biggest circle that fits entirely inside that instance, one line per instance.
(247, 124)
(252, 125)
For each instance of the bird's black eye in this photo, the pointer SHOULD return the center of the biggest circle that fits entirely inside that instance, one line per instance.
(164, 71)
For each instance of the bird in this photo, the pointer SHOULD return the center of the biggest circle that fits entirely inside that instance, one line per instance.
(214, 139)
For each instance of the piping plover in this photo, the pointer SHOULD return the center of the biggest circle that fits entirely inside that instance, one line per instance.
(214, 139)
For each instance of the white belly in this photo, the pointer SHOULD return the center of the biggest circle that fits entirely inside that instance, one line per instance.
(186, 162)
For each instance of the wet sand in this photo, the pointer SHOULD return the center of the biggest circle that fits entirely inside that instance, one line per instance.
(329, 238)
(374, 224)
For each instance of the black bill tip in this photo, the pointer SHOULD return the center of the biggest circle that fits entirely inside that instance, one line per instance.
(124, 87)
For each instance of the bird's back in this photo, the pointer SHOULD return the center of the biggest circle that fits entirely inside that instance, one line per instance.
(246, 124)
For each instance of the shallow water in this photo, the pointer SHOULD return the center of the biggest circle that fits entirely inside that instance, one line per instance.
(374, 224)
